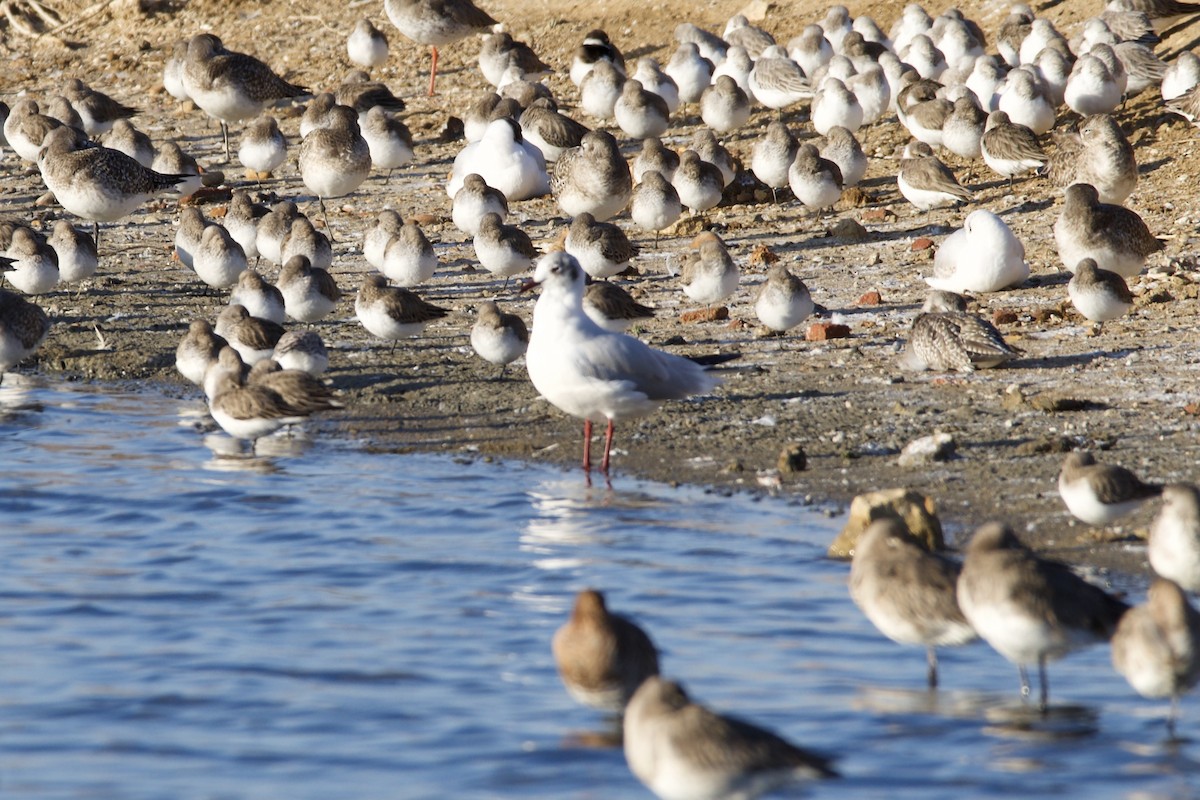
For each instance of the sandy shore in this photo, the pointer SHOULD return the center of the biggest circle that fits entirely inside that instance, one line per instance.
(1128, 391)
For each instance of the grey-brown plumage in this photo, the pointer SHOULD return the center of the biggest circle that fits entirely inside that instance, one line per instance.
(705, 144)
(1098, 154)
(301, 393)
(486, 109)
(390, 312)
(336, 159)
(436, 22)
(26, 129)
(773, 155)
(1029, 609)
(60, 108)
(273, 229)
(1013, 30)
(942, 339)
(260, 298)
(309, 293)
(1114, 236)
(550, 131)
(362, 94)
(497, 336)
(724, 107)
(1144, 69)
(302, 350)
(613, 308)
(1173, 549)
(681, 749)
(926, 182)
(602, 248)
(96, 110)
(1098, 294)
(1008, 148)
(1161, 12)
(1101, 493)
(1186, 105)
(500, 52)
(129, 140)
(602, 657)
(908, 592)
(655, 157)
(253, 338)
(23, 328)
(1157, 646)
(198, 350)
(592, 178)
(231, 86)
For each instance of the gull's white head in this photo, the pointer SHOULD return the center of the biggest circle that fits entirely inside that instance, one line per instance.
(558, 270)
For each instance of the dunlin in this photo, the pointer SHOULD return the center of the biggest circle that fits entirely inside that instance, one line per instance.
(655, 204)
(681, 749)
(309, 293)
(241, 219)
(500, 51)
(708, 274)
(700, 185)
(231, 86)
(436, 23)
(122, 136)
(366, 45)
(273, 228)
(334, 161)
(34, 262)
(1029, 609)
(778, 82)
(962, 132)
(602, 657)
(926, 118)
(505, 160)
(263, 147)
(926, 182)
(488, 107)
(259, 298)
(657, 157)
(639, 113)
(724, 107)
(248, 411)
(388, 140)
(600, 89)
(692, 72)
(810, 49)
(1157, 646)
(653, 80)
(1091, 88)
(613, 308)
(391, 313)
(498, 337)
(23, 328)
(171, 160)
(592, 178)
(751, 38)
(97, 110)
(317, 113)
(1098, 294)
(1025, 102)
(1145, 69)
(601, 248)
(173, 71)
(227, 362)
(982, 256)
(60, 108)
(589, 372)
(908, 592)
(772, 156)
(944, 337)
(550, 131)
(1174, 545)
(783, 301)
(816, 182)
(596, 47)
(218, 259)
(503, 250)
(711, 46)
(473, 201)
(358, 91)
(1101, 493)
(254, 339)
(26, 128)
(842, 148)
(97, 183)
(737, 66)
(303, 239)
(1010, 149)
(1114, 236)
(198, 350)
(302, 394)
(1098, 154)
(302, 350)
(187, 235)
(77, 259)
(379, 236)
(706, 145)
(1162, 13)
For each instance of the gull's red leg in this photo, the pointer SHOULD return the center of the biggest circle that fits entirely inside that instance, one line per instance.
(608, 437)
(433, 72)
(587, 445)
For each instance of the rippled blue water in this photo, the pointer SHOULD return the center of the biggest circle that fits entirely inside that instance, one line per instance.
(333, 623)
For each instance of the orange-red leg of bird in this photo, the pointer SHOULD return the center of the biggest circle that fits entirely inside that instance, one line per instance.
(608, 437)
(587, 445)
(433, 72)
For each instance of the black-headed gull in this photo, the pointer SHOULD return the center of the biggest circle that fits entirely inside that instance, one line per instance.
(592, 373)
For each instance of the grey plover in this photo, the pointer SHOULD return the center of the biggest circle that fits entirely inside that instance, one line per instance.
(708, 274)
(253, 338)
(1173, 548)
(602, 657)
(334, 161)
(783, 301)
(1157, 646)
(816, 182)
(302, 350)
(198, 350)
(129, 140)
(596, 47)
(907, 591)
(498, 337)
(379, 236)
(303, 239)
(566, 350)
(503, 250)
(97, 183)
(772, 156)
(218, 259)
(592, 178)
(679, 748)
(1101, 493)
(601, 248)
(655, 204)
(984, 255)
(171, 160)
(1098, 154)
(273, 230)
(1008, 148)
(409, 258)
(1029, 609)
(550, 131)
(76, 251)
(258, 297)
(654, 156)
(600, 89)
(640, 113)
(700, 185)
(309, 293)
(472, 201)
(388, 140)
(1098, 294)
(34, 267)
(943, 338)
(926, 182)
(392, 313)
(724, 107)
(436, 23)
(366, 45)
(263, 147)
(97, 110)
(1112, 235)
(613, 308)
(231, 86)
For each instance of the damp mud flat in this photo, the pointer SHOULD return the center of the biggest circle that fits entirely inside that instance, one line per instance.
(1129, 391)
